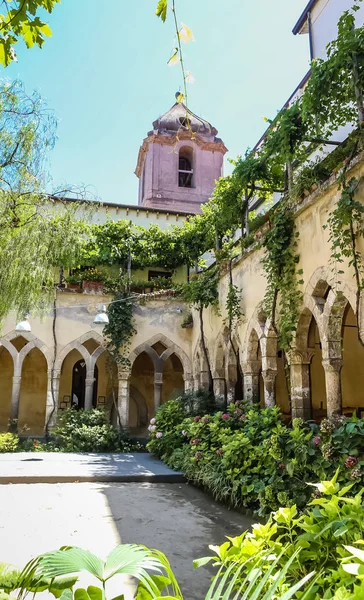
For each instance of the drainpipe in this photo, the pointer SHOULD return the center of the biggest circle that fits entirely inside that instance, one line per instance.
(310, 37)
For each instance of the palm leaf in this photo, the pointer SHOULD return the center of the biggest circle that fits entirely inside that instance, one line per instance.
(227, 584)
(70, 560)
(45, 571)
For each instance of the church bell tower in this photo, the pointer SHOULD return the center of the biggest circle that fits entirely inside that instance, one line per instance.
(179, 162)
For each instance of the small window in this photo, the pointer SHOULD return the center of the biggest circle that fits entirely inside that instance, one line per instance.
(185, 170)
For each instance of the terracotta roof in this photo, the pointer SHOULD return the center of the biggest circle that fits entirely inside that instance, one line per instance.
(302, 20)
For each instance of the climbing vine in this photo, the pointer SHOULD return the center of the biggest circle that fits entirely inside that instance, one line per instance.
(333, 96)
(283, 296)
(120, 328)
(200, 293)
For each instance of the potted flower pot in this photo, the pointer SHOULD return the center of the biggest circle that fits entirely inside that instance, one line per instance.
(74, 287)
(93, 287)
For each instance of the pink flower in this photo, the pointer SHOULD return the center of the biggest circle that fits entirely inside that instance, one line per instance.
(316, 440)
(225, 416)
(152, 428)
(196, 419)
(282, 466)
(159, 434)
(350, 462)
(195, 441)
(152, 421)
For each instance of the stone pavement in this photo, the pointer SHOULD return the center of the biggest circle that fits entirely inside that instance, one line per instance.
(175, 518)
(59, 467)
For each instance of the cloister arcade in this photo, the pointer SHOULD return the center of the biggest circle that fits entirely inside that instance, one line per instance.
(84, 375)
(322, 375)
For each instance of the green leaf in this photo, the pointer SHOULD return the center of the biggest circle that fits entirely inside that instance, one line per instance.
(161, 10)
(81, 594)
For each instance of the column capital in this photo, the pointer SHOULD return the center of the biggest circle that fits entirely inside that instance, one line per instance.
(252, 367)
(124, 375)
(158, 378)
(56, 374)
(297, 357)
(332, 365)
(269, 375)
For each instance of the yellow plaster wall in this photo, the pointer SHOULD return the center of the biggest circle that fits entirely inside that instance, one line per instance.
(173, 384)
(142, 379)
(352, 373)
(33, 393)
(6, 379)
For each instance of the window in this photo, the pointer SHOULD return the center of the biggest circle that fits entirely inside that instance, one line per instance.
(185, 170)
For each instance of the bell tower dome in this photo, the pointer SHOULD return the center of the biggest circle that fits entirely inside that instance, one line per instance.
(179, 162)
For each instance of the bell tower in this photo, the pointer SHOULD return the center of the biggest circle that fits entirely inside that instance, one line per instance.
(179, 162)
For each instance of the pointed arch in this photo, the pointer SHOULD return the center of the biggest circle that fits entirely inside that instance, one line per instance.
(171, 348)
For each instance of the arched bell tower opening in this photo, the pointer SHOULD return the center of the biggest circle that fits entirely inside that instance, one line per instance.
(179, 162)
(185, 167)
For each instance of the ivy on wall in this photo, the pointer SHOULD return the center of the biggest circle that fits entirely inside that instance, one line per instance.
(333, 97)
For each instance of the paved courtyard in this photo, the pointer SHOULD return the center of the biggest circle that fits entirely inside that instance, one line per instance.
(175, 518)
(64, 467)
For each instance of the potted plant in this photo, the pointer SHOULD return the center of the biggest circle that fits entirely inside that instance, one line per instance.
(164, 284)
(93, 280)
(73, 281)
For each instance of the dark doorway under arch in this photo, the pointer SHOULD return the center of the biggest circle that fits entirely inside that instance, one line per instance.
(79, 385)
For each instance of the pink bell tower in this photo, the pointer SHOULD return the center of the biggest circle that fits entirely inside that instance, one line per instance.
(178, 164)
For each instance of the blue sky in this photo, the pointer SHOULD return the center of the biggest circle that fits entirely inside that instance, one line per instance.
(105, 74)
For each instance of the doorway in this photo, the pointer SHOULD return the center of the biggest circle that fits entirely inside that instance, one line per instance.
(79, 385)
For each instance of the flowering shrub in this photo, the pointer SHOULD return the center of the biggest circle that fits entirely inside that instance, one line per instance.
(89, 431)
(8, 442)
(246, 456)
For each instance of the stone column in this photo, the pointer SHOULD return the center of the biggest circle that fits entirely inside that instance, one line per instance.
(196, 383)
(188, 382)
(123, 398)
(269, 377)
(158, 382)
(15, 398)
(251, 372)
(204, 380)
(89, 390)
(219, 387)
(300, 385)
(52, 404)
(332, 368)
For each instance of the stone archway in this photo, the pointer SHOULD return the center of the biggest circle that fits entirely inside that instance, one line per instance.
(158, 362)
(33, 393)
(352, 373)
(7, 373)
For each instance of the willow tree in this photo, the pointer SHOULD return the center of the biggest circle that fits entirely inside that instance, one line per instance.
(38, 233)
